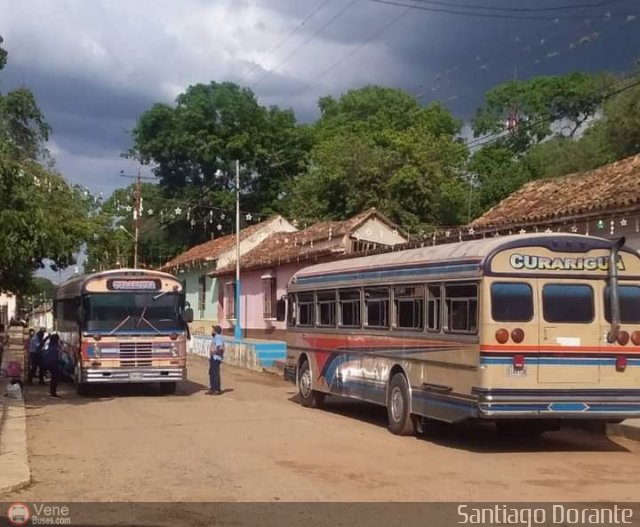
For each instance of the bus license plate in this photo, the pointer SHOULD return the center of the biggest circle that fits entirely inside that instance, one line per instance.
(512, 372)
(136, 375)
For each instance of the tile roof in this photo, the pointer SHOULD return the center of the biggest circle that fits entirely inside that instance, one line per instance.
(283, 247)
(614, 186)
(212, 248)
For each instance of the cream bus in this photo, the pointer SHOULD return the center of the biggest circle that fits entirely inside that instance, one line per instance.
(124, 326)
(525, 331)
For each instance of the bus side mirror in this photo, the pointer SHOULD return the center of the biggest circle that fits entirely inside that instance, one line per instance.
(281, 310)
(188, 315)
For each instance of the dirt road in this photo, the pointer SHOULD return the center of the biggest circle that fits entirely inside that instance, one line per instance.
(254, 444)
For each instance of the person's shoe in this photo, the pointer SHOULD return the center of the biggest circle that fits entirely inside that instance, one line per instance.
(55, 395)
(217, 392)
(209, 392)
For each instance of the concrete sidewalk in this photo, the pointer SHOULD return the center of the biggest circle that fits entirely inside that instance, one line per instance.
(14, 458)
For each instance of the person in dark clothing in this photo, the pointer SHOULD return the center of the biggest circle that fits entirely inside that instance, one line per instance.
(52, 363)
(36, 349)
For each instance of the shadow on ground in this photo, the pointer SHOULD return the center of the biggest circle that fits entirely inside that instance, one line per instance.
(475, 436)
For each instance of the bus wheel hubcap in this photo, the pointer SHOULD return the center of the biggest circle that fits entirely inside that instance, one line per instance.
(397, 405)
(305, 384)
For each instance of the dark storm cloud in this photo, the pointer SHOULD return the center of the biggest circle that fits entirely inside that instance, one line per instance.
(96, 67)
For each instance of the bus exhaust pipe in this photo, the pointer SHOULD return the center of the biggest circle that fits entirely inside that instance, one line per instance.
(614, 299)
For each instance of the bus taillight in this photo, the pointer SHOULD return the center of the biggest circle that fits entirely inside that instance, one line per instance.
(517, 335)
(621, 363)
(502, 336)
(518, 362)
(635, 338)
(623, 338)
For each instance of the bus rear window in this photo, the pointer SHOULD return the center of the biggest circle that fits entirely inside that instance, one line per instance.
(567, 303)
(511, 302)
(629, 304)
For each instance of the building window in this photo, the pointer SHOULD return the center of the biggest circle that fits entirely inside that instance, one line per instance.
(269, 297)
(349, 303)
(461, 301)
(202, 294)
(409, 307)
(377, 306)
(326, 309)
(306, 306)
(230, 300)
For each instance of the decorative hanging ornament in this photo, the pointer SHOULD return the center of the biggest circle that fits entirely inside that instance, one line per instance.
(523, 231)
(219, 227)
(623, 222)
(612, 227)
(128, 208)
(193, 223)
(150, 212)
(178, 211)
(548, 231)
(472, 231)
(574, 228)
(600, 224)
(248, 217)
(222, 216)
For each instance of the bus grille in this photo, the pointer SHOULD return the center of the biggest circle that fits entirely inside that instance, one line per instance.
(136, 353)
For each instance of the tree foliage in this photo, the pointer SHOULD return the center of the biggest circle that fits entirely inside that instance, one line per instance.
(376, 147)
(42, 218)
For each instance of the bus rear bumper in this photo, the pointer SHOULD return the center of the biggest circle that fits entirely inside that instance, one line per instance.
(558, 404)
(132, 375)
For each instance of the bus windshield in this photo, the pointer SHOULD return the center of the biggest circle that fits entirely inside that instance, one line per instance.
(133, 311)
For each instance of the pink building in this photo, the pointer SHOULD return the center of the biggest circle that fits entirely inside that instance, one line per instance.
(266, 269)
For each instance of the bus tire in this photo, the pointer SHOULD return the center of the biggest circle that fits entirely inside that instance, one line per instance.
(309, 397)
(401, 422)
(168, 388)
(81, 388)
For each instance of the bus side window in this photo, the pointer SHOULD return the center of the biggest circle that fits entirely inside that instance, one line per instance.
(291, 310)
(434, 307)
(461, 301)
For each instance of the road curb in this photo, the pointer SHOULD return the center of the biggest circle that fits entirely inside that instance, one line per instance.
(14, 457)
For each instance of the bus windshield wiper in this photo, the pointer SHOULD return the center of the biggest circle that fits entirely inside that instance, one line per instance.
(141, 318)
(124, 321)
(160, 295)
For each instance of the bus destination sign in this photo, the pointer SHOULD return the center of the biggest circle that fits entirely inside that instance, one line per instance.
(121, 284)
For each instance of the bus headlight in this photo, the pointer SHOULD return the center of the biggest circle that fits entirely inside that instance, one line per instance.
(174, 350)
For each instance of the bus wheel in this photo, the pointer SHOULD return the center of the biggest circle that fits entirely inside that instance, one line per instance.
(81, 388)
(168, 388)
(401, 422)
(308, 396)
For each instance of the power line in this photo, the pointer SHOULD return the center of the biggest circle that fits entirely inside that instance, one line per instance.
(603, 3)
(296, 50)
(287, 37)
(488, 15)
(357, 48)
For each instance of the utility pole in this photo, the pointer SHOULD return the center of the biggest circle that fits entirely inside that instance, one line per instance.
(137, 212)
(238, 329)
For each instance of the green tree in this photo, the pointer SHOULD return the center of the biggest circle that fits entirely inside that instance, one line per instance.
(42, 218)
(376, 147)
(538, 105)
(621, 123)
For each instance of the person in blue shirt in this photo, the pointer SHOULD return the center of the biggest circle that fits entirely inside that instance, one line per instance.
(216, 355)
(36, 344)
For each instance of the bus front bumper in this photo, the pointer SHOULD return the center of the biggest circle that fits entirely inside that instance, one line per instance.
(131, 375)
(558, 404)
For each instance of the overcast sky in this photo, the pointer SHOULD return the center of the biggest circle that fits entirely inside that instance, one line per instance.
(96, 65)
